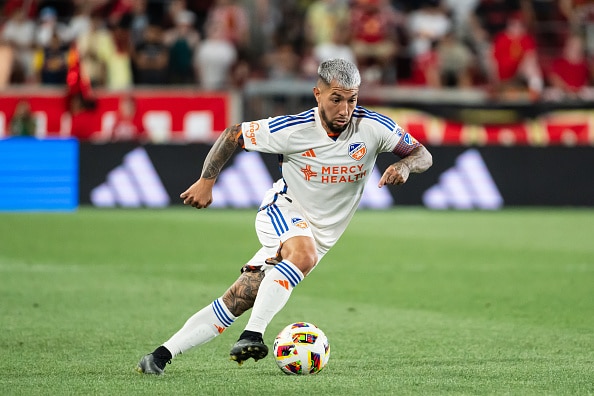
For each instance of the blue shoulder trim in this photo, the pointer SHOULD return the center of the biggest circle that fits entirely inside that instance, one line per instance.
(361, 112)
(282, 122)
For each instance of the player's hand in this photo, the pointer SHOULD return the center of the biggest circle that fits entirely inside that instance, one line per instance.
(395, 174)
(199, 194)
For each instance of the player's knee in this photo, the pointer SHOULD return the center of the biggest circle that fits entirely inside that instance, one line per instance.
(305, 260)
(301, 251)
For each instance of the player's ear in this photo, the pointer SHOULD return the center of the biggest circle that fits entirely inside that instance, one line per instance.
(316, 92)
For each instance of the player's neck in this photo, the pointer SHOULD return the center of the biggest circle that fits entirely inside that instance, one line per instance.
(333, 135)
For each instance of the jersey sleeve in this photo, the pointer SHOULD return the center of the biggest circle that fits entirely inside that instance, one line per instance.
(399, 142)
(406, 143)
(257, 137)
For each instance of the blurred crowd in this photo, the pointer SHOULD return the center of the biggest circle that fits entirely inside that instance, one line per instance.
(541, 48)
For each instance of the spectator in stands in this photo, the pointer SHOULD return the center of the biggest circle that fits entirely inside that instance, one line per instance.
(461, 12)
(283, 62)
(374, 39)
(51, 62)
(171, 10)
(232, 19)
(448, 64)
(546, 22)
(580, 14)
(569, 73)
(19, 33)
(182, 40)
(201, 9)
(265, 19)
(515, 60)
(49, 27)
(151, 57)
(214, 59)
(22, 122)
(456, 62)
(29, 7)
(90, 44)
(80, 23)
(322, 19)
(427, 25)
(338, 47)
(139, 20)
(83, 118)
(488, 19)
(491, 16)
(6, 61)
(126, 127)
(118, 10)
(116, 55)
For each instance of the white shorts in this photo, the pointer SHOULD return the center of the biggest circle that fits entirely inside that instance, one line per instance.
(279, 219)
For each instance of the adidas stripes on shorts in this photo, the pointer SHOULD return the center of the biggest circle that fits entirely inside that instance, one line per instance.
(278, 220)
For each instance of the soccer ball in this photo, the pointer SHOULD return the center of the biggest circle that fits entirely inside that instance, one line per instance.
(301, 348)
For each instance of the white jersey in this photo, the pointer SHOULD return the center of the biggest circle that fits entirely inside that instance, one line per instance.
(323, 176)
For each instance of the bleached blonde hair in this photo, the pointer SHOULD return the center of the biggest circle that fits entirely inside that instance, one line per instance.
(344, 72)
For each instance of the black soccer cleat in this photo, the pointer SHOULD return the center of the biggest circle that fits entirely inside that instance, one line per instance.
(151, 365)
(249, 346)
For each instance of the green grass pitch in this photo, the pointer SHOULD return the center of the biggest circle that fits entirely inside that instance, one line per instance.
(413, 302)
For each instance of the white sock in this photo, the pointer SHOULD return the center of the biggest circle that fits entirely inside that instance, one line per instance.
(202, 327)
(273, 294)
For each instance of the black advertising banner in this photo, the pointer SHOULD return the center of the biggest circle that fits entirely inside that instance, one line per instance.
(129, 175)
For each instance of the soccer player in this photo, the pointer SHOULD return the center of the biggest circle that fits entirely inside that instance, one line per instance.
(327, 155)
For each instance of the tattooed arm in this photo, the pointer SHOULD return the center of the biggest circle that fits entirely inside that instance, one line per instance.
(418, 161)
(199, 194)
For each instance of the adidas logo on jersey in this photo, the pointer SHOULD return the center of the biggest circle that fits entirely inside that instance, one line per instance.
(309, 153)
(134, 183)
(468, 185)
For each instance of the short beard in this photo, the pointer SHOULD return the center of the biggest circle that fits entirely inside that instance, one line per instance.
(331, 126)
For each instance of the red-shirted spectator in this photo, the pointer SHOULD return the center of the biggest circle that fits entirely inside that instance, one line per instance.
(374, 41)
(569, 73)
(515, 59)
(232, 17)
(11, 5)
(127, 125)
(119, 9)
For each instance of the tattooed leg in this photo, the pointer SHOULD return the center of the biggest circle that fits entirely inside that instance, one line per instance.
(213, 319)
(241, 295)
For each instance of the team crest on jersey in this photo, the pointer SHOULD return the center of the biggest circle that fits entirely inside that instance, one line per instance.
(298, 222)
(399, 132)
(357, 150)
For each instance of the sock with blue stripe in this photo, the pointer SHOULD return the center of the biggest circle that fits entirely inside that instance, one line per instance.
(273, 294)
(202, 327)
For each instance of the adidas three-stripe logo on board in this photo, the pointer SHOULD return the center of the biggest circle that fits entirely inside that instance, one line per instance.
(467, 185)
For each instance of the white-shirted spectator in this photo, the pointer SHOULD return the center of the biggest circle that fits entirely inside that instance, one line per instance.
(214, 59)
(19, 33)
(48, 25)
(427, 25)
